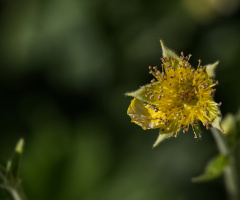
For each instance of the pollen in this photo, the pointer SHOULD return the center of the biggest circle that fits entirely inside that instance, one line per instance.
(177, 98)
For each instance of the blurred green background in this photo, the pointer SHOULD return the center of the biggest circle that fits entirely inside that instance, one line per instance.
(65, 66)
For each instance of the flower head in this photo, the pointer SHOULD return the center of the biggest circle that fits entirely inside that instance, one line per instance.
(177, 98)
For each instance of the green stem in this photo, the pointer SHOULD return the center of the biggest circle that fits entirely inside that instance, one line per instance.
(17, 194)
(230, 172)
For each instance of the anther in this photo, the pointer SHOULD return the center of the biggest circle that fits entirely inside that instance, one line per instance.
(163, 95)
(165, 122)
(195, 135)
(153, 80)
(159, 97)
(206, 112)
(150, 68)
(204, 68)
(219, 104)
(152, 96)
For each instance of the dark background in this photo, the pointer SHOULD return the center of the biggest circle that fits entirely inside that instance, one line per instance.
(64, 68)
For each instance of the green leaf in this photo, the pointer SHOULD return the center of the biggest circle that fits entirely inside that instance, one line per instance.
(213, 170)
(141, 93)
(210, 69)
(168, 52)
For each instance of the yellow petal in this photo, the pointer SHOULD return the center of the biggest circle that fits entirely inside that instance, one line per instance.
(141, 115)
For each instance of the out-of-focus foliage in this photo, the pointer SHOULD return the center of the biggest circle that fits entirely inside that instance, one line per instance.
(11, 185)
(65, 66)
(213, 170)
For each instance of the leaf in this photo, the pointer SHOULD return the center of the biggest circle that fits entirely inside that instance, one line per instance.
(141, 93)
(213, 170)
(161, 138)
(210, 69)
(168, 52)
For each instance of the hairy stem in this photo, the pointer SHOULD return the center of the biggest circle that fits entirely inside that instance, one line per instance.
(230, 172)
(17, 194)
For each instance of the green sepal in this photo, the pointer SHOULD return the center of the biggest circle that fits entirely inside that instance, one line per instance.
(168, 52)
(161, 138)
(142, 91)
(210, 69)
(213, 170)
(217, 123)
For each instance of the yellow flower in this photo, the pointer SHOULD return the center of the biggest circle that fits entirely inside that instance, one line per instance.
(177, 98)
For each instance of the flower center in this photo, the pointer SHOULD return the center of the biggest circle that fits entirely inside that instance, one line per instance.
(187, 95)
